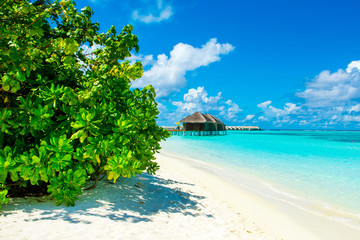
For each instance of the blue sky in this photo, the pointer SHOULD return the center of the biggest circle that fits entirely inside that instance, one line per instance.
(275, 64)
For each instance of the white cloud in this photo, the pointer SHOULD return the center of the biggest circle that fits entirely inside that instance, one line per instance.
(161, 107)
(339, 109)
(167, 74)
(263, 119)
(145, 60)
(333, 89)
(314, 117)
(271, 112)
(354, 65)
(197, 100)
(89, 51)
(348, 118)
(231, 113)
(264, 104)
(355, 108)
(199, 95)
(290, 108)
(278, 116)
(161, 13)
(248, 117)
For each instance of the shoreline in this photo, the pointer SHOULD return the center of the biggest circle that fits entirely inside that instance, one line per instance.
(277, 218)
(186, 199)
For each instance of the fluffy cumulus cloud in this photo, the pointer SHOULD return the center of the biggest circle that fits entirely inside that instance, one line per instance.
(167, 73)
(333, 89)
(270, 111)
(197, 100)
(355, 108)
(354, 65)
(145, 60)
(230, 112)
(289, 114)
(156, 14)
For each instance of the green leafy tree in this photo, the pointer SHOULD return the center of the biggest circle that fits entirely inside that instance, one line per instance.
(68, 115)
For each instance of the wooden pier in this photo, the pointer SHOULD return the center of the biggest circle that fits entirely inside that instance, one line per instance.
(181, 132)
(243, 128)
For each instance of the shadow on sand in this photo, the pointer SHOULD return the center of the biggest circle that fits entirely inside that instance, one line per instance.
(130, 200)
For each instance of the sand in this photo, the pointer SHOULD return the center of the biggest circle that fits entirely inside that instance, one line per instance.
(184, 200)
(261, 215)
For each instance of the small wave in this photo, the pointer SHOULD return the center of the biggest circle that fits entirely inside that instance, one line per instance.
(322, 209)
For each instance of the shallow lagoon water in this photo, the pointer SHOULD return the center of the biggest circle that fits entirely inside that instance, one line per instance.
(318, 171)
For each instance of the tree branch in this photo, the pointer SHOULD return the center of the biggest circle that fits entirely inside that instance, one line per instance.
(96, 180)
(3, 3)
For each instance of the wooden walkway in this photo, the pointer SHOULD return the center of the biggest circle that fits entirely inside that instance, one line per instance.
(181, 132)
(243, 128)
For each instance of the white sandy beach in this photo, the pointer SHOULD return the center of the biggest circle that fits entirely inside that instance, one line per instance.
(183, 201)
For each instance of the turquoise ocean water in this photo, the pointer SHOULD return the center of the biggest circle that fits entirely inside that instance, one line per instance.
(318, 171)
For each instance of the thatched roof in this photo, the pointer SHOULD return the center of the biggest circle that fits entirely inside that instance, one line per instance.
(196, 118)
(213, 119)
(201, 118)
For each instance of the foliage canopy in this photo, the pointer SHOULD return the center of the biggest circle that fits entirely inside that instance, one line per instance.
(67, 114)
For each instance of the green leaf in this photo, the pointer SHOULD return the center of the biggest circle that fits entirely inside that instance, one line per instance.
(43, 174)
(68, 60)
(3, 198)
(6, 87)
(71, 46)
(83, 137)
(20, 76)
(77, 134)
(67, 157)
(78, 124)
(35, 159)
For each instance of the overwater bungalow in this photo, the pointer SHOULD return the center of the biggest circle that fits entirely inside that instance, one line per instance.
(218, 124)
(199, 124)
